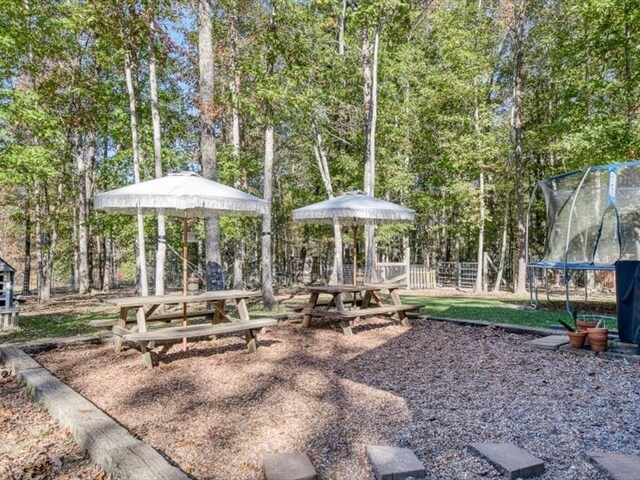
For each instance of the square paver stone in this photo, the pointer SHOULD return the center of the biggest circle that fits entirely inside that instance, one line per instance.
(510, 460)
(394, 463)
(616, 465)
(288, 466)
(552, 342)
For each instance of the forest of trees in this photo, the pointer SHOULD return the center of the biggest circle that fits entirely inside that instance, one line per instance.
(453, 108)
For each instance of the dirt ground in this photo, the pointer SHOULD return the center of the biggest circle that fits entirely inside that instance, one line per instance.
(32, 446)
(434, 388)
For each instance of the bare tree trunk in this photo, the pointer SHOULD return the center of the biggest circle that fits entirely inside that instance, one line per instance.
(268, 297)
(76, 250)
(88, 192)
(44, 293)
(83, 245)
(503, 248)
(107, 248)
(240, 181)
(520, 15)
(213, 258)
(343, 17)
(26, 279)
(370, 90)
(323, 166)
(479, 286)
(161, 248)
(47, 223)
(141, 263)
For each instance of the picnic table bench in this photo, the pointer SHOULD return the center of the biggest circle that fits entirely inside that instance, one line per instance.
(369, 305)
(160, 318)
(220, 320)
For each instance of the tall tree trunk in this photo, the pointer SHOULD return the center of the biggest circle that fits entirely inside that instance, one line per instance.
(342, 22)
(141, 263)
(629, 72)
(503, 248)
(42, 284)
(161, 248)
(47, 227)
(26, 279)
(480, 274)
(82, 284)
(107, 248)
(370, 91)
(323, 166)
(520, 16)
(88, 194)
(76, 250)
(240, 180)
(213, 258)
(268, 297)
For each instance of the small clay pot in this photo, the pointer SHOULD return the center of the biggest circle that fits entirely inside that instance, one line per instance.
(583, 325)
(577, 338)
(598, 338)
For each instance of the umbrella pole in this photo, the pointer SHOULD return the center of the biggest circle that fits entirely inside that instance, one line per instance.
(185, 274)
(355, 252)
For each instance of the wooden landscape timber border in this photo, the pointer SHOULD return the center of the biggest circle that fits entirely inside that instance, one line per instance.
(507, 327)
(109, 444)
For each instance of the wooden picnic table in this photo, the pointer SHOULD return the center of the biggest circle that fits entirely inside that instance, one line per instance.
(220, 319)
(370, 304)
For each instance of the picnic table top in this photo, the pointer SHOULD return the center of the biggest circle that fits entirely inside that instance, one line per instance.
(180, 298)
(354, 288)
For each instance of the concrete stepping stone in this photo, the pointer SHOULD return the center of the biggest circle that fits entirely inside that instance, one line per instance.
(288, 466)
(552, 342)
(393, 463)
(510, 460)
(616, 465)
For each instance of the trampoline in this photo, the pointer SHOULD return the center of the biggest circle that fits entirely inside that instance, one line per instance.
(592, 220)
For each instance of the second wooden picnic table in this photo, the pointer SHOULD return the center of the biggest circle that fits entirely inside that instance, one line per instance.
(146, 307)
(370, 303)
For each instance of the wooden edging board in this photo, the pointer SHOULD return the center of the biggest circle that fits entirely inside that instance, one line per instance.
(507, 327)
(109, 444)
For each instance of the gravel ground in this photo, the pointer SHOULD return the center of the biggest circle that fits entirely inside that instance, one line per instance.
(32, 446)
(434, 388)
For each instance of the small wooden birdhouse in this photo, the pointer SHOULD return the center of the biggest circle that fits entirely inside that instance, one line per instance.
(8, 314)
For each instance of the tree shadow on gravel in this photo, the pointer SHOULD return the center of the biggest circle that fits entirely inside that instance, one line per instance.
(173, 355)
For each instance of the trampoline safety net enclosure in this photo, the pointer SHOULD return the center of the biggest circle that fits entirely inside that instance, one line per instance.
(592, 218)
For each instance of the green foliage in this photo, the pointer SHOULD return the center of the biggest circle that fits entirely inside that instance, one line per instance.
(445, 93)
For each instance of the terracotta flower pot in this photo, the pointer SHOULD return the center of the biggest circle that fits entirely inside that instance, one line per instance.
(583, 325)
(577, 338)
(598, 338)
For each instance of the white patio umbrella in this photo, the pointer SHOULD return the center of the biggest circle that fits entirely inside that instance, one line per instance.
(186, 195)
(355, 208)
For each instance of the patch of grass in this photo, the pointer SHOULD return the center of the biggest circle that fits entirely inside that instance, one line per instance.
(494, 310)
(34, 327)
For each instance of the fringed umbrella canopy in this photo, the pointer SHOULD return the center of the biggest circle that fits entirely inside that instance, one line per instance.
(355, 207)
(184, 194)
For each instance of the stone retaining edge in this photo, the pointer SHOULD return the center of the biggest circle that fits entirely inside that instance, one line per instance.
(108, 443)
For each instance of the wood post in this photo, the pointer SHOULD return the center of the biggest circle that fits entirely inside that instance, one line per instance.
(185, 273)
(313, 299)
(355, 254)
